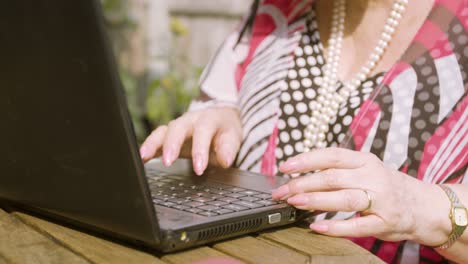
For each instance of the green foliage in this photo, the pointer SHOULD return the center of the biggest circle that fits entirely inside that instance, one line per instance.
(169, 96)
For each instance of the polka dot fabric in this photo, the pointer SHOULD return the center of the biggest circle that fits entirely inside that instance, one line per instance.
(303, 81)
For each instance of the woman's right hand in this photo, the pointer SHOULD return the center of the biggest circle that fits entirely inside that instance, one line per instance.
(211, 135)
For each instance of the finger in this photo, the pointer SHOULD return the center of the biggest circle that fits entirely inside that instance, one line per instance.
(327, 180)
(177, 132)
(153, 143)
(227, 145)
(348, 200)
(370, 225)
(321, 159)
(203, 134)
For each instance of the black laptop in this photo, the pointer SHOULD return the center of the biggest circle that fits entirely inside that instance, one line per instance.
(68, 150)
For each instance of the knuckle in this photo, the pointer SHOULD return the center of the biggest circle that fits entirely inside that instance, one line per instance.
(173, 124)
(351, 202)
(335, 156)
(332, 181)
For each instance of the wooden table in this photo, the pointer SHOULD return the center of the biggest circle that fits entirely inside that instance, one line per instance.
(28, 239)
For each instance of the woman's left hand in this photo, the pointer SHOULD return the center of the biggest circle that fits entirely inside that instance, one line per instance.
(400, 207)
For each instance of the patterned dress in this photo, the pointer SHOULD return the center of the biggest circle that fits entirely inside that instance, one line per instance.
(414, 117)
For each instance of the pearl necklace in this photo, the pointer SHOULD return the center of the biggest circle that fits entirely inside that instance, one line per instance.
(325, 108)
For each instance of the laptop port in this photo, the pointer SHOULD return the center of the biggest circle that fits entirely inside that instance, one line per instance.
(292, 216)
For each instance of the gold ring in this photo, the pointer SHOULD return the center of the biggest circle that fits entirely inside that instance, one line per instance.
(369, 204)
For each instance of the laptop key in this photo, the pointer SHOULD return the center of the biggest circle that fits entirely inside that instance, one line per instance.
(235, 189)
(235, 195)
(267, 202)
(223, 211)
(194, 210)
(208, 213)
(178, 200)
(163, 197)
(193, 204)
(249, 198)
(228, 199)
(250, 192)
(157, 201)
(220, 192)
(235, 207)
(181, 207)
(202, 199)
(168, 204)
(263, 196)
(248, 204)
(217, 203)
(209, 207)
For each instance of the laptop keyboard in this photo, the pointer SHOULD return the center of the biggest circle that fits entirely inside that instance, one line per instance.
(206, 199)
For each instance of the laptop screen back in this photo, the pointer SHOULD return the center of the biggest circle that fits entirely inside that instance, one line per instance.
(66, 141)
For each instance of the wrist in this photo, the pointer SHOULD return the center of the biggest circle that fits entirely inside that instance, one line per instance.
(433, 225)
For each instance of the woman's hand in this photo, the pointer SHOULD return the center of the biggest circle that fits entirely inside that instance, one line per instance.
(401, 207)
(210, 135)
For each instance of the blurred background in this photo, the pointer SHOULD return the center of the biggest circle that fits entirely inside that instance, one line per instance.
(162, 47)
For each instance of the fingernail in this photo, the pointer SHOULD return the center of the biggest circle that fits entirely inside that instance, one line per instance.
(198, 164)
(319, 228)
(168, 157)
(298, 200)
(228, 160)
(144, 153)
(281, 192)
(226, 154)
(289, 166)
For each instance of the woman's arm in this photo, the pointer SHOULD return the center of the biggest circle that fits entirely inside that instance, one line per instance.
(401, 207)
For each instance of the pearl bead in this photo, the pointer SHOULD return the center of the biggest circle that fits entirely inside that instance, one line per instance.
(383, 44)
(392, 22)
(365, 70)
(344, 93)
(339, 99)
(374, 57)
(325, 119)
(307, 143)
(370, 64)
(361, 77)
(379, 50)
(389, 30)
(334, 105)
(323, 128)
(313, 120)
(313, 138)
(321, 136)
(386, 37)
(321, 144)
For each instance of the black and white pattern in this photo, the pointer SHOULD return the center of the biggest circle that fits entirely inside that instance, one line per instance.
(303, 81)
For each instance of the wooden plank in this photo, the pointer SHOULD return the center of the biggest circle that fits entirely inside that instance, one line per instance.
(253, 250)
(304, 240)
(3, 260)
(356, 259)
(193, 255)
(22, 244)
(96, 249)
